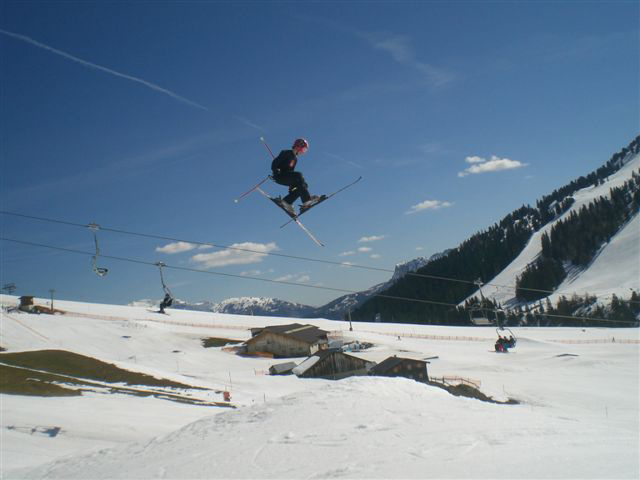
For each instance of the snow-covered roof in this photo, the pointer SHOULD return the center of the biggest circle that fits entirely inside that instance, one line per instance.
(305, 333)
(392, 362)
(306, 365)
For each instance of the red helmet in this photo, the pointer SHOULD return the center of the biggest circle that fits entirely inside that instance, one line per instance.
(300, 145)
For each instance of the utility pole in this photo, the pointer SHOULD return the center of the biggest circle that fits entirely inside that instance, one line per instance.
(52, 291)
(350, 326)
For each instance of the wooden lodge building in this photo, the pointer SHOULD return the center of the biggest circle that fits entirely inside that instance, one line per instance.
(402, 367)
(286, 341)
(333, 365)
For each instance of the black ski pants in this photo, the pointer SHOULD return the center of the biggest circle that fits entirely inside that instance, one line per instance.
(297, 186)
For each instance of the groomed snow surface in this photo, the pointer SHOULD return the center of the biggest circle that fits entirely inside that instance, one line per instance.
(578, 416)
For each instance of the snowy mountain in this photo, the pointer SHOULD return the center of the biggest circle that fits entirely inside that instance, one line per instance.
(262, 306)
(614, 270)
(334, 310)
(411, 266)
(338, 308)
(592, 245)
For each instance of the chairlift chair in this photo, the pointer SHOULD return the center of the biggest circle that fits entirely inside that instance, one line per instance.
(506, 343)
(168, 296)
(100, 271)
(479, 315)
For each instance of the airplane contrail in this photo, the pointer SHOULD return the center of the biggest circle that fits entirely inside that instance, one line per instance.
(150, 85)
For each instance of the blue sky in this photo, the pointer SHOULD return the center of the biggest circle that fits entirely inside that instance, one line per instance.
(146, 117)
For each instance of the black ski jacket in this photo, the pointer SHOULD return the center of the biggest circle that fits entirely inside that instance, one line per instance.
(284, 162)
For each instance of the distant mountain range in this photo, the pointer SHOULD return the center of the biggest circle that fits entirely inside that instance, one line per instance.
(335, 310)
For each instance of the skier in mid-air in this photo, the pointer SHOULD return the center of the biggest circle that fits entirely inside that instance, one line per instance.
(283, 174)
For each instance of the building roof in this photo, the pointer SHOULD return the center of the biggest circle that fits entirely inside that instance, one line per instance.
(321, 355)
(282, 367)
(391, 363)
(306, 364)
(305, 333)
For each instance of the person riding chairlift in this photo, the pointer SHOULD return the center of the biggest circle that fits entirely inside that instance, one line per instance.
(504, 343)
(166, 302)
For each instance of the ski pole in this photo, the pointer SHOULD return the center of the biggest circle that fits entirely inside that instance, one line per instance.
(265, 144)
(236, 200)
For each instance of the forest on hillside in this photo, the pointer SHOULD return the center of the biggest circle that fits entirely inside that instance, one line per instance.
(575, 240)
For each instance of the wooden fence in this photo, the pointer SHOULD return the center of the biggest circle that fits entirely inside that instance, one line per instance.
(448, 380)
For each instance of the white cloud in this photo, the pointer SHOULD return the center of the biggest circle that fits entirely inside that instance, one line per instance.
(291, 277)
(240, 254)
(428, 205)
(397, 46)
(495, 164)
(419, 249)
(284, 278)
(372, 238)
(364, 249)
(255, 273)
(176, 247)
(347, 253)
(475, 159)
(401, 50)
(375, 255)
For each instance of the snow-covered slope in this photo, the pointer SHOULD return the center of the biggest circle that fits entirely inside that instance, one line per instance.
(616, 269)
(578, 416)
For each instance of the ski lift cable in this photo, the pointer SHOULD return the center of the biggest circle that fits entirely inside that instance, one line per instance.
(189, 269)
(228, 247)
(283, 282)
(282, 255)
(293, 257)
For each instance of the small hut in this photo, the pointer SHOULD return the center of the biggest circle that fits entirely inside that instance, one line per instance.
(286, 341)
(26, 303)
(332, 365)
(402, 367)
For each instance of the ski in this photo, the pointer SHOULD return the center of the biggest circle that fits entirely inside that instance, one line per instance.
(306, 230)
(322, 199)
(294, 218)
